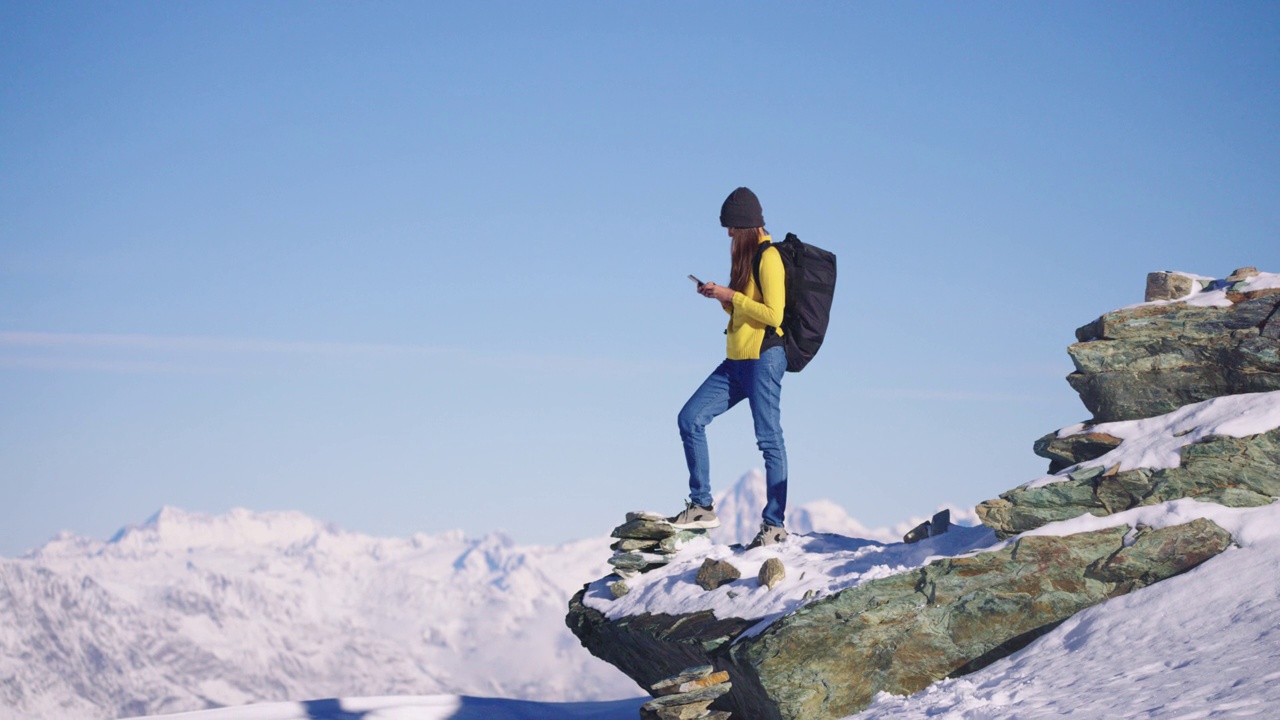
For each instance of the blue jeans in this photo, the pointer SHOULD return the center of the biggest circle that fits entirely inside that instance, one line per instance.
(760, 383)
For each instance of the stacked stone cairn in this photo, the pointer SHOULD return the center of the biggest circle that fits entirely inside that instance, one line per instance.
(644, 542)
(688, 695)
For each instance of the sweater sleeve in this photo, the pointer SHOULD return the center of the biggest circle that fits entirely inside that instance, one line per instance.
(773, 288)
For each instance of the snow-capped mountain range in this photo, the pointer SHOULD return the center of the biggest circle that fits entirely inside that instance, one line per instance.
(189, 611)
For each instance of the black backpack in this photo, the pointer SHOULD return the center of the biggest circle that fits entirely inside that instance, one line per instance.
(811, 285)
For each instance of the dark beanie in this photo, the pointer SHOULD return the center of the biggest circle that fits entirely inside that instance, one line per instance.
(741, 210)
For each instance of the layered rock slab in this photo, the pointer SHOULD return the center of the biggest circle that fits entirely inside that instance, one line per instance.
(1236, 472)
(901, 633)
(1152, 359)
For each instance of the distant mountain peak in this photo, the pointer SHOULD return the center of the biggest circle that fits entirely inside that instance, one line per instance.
(174, 529)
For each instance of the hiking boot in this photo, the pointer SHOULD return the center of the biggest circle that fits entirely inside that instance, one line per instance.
(768, 535)
(695, 517)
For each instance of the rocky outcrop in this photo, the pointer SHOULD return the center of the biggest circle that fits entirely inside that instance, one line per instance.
(898, 634)
(1152, 359)
(829, 656)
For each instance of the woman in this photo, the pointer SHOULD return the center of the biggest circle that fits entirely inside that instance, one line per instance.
(753, 369)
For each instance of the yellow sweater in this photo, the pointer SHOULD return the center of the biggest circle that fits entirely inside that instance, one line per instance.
(754, 310)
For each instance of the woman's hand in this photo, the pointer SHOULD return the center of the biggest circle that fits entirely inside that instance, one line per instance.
(719, 292)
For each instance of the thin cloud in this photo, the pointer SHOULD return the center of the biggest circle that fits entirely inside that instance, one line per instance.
(98, 365)
(201, 344)
(125, 352)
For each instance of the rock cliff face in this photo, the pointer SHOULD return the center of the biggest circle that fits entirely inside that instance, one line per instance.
(827, 657)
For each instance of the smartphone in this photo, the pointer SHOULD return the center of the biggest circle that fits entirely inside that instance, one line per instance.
(700, 283)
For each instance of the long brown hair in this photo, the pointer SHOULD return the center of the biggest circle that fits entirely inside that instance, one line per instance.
(745, 242)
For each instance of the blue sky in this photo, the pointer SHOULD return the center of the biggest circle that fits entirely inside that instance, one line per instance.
(416, 266)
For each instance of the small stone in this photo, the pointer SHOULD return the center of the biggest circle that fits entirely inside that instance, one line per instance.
(701, 695)
(692, 711)
(697, 672)
(644, 530)
(682, 683)
(626, 573)
(808, 594)
(940, 523)
(771, 572)
(645, 515)
(1243, 273)
(618, 589)
(629, 544)
(715, 573)
(1168, 286)
(917, 533)
(638, 561)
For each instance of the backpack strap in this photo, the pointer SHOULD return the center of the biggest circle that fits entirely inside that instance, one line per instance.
(755, 264)
(770, 332)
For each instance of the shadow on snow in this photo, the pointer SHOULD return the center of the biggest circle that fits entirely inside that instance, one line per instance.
(474, 708)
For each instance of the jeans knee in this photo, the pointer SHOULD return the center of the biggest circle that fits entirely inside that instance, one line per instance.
(689, 422)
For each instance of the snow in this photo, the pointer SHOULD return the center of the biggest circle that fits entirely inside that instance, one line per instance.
(817, 565)
(1261, 281)
(1156, 442)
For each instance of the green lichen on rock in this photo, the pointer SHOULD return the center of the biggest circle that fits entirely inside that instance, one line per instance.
(1236, 472)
